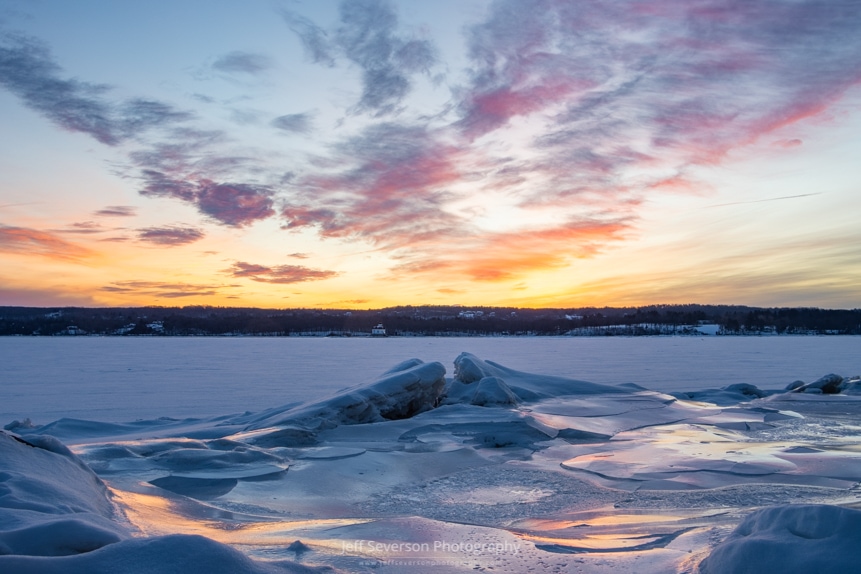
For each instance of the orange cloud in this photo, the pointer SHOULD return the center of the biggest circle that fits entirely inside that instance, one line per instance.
(508, 256)
(26, 241)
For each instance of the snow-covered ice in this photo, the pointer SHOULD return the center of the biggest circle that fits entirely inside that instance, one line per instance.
(488, 468)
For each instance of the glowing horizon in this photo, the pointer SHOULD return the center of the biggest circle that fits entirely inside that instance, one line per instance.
(365, 153)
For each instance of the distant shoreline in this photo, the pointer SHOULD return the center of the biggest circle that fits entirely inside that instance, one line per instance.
(433, 335)
(436, 321)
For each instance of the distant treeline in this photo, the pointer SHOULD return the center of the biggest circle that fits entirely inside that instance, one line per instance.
(429, 320)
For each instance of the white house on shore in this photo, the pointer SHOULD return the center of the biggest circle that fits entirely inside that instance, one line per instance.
(378, 331)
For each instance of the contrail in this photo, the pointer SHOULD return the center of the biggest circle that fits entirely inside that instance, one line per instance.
(2, 205)
(764, 200)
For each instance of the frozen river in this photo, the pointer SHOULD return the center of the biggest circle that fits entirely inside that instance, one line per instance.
(124, 379)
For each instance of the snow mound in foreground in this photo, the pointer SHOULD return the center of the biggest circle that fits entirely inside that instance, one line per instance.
(409, 388)
(51, 504)
(172, 554)
(485, 383)
(795, 538)
(56, 518)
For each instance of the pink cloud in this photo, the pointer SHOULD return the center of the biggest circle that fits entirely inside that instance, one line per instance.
(787, 143)
(392, 194)
(688, 81)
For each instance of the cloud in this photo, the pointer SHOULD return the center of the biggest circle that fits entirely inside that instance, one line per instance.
(234, 204)
(194, 168)
(243, 63)
(84, 228)
(297, 123)
(315, 40)
(620, 99)
(623, 97)
(507, 256)
(368, 37)
(245, 117)
(54, 296)
(787, 143)
(117, 211)
(392, 193)
(28, 71)
(186, 165)
(280, 274)
(161, 289)
(170, 235)
(26, 241)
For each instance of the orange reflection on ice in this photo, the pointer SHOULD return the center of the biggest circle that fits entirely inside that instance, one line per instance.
(546, 525)
(157, 516)
(594, 541)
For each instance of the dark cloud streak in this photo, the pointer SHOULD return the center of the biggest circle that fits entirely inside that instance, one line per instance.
(296, 123)
(159, 289)
(169, 236)
(117, 211)
(279, 274)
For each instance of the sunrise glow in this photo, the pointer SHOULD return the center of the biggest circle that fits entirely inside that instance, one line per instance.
(368, 153)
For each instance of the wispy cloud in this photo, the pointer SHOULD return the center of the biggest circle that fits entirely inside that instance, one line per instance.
(368, 37)
(315, 40)
(28, 70)
(511, 255)
(243, 63)
(625, 89)
(184, 165)
(281, 274)
(27, 241)
(170, 235)
(83, 228)
(297, 123)
(235, 204)
(190, 168)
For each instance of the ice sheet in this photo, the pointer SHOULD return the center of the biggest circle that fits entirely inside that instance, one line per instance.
(411, 472)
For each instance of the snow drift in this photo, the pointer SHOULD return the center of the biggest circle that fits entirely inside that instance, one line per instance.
(794, 538)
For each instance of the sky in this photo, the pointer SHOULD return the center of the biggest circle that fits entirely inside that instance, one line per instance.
(372, 153)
